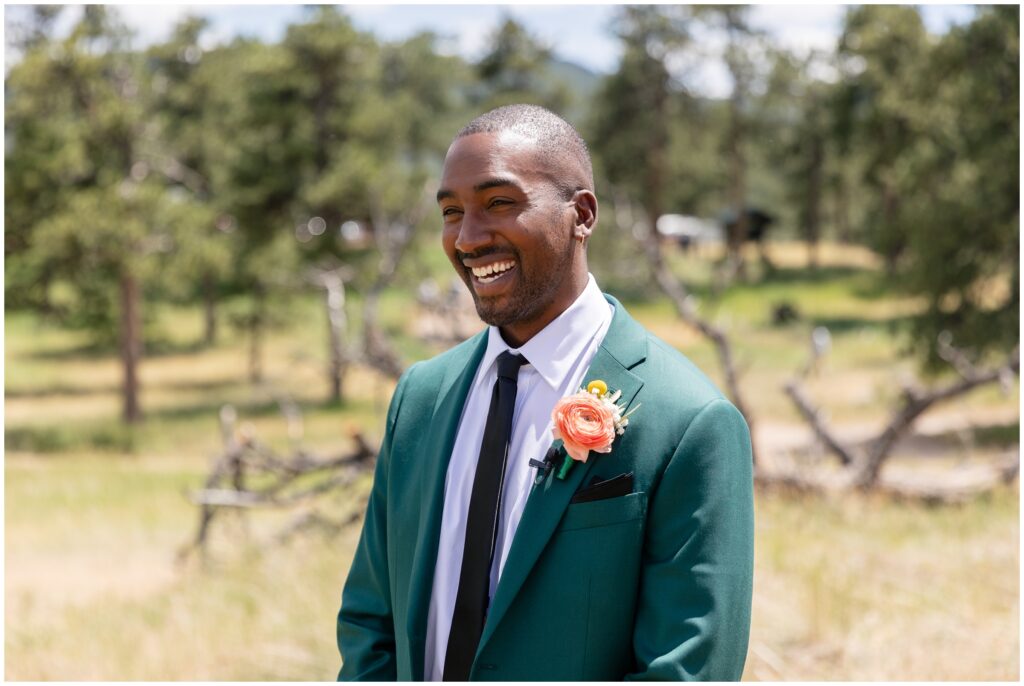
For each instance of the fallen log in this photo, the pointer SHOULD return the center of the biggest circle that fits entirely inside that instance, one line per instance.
(861, 469)
(227, 486)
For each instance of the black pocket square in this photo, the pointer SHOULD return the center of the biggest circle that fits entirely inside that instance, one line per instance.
(609, 488)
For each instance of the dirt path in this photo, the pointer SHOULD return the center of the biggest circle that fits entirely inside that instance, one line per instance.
(780, 437)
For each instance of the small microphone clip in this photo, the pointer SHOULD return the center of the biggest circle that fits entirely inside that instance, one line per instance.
(544, 466)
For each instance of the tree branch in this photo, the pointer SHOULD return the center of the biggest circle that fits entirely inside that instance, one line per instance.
(683, 302)
(812, 416)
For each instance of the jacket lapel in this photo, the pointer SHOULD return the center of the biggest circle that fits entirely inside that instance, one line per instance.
(439, 437)
(624, 346)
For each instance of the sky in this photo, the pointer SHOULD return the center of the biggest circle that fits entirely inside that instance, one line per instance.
(577, 33)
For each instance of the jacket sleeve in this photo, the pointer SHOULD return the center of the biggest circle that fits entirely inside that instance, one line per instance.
(366, 635)
(693, 609)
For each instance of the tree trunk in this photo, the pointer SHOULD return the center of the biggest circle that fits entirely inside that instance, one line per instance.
(378, 352)
(894, 242)
(812, 216)
(677, 292)
(842, 208)
(209, 310)
(131, 346)
(656, 161)
(334, 299)
(256, 322)
(738, 191)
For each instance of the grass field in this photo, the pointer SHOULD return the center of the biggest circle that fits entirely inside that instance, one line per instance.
(845, 588)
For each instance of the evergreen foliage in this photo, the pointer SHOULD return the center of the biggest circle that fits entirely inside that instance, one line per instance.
(207, 173)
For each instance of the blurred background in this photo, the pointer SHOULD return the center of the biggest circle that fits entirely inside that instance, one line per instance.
(221, 250)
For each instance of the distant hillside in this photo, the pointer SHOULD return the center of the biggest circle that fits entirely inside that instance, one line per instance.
(580, 78)
(580, 81)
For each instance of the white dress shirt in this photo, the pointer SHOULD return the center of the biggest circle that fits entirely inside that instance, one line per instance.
(558, 357)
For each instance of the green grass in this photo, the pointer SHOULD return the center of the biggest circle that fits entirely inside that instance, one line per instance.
(848, 588)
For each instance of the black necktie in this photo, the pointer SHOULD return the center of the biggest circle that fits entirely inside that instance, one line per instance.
(482, 523)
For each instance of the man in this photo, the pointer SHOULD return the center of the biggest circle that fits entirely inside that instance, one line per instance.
(490, 552)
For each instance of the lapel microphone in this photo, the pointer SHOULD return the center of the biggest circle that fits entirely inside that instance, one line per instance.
(544, 466)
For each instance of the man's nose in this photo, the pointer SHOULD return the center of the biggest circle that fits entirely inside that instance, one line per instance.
(474, 233)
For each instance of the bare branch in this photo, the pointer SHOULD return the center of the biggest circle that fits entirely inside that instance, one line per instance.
(954, 356)
(392, 236)
(915, 403)
(862, 471)
(812, 416)
(225, 488)
(685, 306)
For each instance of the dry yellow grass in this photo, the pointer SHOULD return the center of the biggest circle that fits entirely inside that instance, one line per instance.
(844, 589)
(855, 589)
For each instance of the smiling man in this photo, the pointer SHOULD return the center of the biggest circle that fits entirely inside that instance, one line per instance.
(520, 528)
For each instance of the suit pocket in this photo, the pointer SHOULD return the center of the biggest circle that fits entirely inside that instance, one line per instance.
(600, 490)
(604, 512)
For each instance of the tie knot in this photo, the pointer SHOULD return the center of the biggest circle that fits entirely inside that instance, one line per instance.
(509, 364)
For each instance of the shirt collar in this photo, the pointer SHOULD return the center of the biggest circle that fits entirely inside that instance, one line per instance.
(554, 349)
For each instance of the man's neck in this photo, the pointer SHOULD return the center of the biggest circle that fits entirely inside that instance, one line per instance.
(518, 334)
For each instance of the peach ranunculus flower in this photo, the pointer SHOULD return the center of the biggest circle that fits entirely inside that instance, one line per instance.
(585, 421)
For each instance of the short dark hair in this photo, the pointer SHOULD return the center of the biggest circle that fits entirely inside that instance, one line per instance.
(558, 142)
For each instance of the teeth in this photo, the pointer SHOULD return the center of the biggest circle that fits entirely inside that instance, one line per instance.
(496, 269)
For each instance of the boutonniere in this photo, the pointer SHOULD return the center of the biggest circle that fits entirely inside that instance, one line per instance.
(588, 420)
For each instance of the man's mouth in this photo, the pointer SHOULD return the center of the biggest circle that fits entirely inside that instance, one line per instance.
(490, 273)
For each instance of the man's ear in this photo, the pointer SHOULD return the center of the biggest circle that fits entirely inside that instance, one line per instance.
(585, 205)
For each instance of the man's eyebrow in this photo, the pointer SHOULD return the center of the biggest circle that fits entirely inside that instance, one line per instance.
(496, 182)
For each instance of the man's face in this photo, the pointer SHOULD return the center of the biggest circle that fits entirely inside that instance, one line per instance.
(507, 232)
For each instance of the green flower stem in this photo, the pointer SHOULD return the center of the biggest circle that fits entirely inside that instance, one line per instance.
(563, 471)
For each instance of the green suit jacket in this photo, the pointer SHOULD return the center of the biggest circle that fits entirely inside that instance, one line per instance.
(652, 585)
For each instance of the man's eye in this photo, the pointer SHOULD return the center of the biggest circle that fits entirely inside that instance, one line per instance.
(500, 201)
(449, 211)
